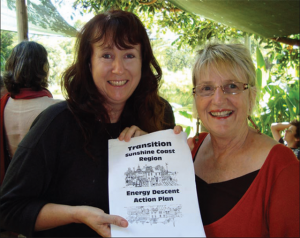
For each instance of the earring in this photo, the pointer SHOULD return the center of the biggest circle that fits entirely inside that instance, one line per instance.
(255, 126)
(197, 128)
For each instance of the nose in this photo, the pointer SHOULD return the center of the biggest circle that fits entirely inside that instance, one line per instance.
(219, 95)
(118, 66)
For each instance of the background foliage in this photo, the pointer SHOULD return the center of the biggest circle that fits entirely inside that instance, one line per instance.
(277, 64)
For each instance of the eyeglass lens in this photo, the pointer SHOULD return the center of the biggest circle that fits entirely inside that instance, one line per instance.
(229, 88)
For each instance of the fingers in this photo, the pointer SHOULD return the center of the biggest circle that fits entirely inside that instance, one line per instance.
(98, 220)
(178, 129)
(116, 220)
(123, 133)
(190, 142)
(128, 133)
(105, 228)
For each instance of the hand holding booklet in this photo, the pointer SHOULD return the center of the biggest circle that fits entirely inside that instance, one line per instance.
(152, 185)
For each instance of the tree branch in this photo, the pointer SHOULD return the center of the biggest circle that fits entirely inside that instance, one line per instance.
(148, 3)
(287, 41)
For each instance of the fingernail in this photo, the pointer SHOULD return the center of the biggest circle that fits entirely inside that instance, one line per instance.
(123, 223)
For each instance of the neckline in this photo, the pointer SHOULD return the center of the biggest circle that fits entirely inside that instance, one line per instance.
(231, 180)
(113, 130)
(255, 181)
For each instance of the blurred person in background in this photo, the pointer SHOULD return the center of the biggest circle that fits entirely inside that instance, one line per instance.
(291, 136)
(26, 80)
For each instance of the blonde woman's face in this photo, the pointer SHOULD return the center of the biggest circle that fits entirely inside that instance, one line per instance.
(222, 114)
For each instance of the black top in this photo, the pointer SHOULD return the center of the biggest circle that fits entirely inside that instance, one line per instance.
(217, 199)
(51, 166)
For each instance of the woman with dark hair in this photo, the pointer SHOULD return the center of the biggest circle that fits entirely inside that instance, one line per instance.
(26, 79)
(111, 91)
(291, 136)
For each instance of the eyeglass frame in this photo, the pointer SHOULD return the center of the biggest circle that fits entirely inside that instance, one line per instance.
(245, 85)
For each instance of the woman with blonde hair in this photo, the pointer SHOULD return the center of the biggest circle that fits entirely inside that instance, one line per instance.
(247, 183)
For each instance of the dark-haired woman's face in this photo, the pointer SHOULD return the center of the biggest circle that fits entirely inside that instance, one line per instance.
(290, 133)
(116, 73)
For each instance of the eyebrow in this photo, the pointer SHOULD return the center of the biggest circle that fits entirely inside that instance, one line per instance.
(226, 81)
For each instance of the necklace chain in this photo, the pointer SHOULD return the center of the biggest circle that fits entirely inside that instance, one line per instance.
(111, 137)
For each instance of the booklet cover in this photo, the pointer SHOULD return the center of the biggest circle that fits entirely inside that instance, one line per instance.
(152, 185)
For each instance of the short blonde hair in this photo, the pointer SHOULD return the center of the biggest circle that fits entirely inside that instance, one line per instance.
(234, 58)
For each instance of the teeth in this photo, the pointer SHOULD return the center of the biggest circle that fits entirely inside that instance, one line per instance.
(118, 83)
(221, 114)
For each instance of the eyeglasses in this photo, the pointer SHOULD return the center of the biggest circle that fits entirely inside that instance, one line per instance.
(205, 90)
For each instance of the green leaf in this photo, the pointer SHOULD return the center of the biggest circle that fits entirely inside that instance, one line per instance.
(258, 79)
(290, 107)
(185, 114)
(260, 59)
(188, 130)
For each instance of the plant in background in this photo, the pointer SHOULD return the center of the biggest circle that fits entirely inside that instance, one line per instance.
(278, 84)
(7, 39)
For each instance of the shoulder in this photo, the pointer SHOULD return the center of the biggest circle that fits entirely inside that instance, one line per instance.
(281, 156)
(197, 142)
(47, 100)
(52, 112)
(168, 112)
(54, 119)
(282, 150)
(167, 105)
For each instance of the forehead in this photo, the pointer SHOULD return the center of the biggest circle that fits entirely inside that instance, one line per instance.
(109, 42)
(101, 45)
(293, 128)
(223, 71)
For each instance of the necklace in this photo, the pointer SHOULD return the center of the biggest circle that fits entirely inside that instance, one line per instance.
(118, 124)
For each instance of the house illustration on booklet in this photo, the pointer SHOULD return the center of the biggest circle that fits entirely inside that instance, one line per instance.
(154, 214)
(150, 176)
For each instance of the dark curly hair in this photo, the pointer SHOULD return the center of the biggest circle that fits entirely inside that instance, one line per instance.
(297, 125)
(121, 29)
(26, 67)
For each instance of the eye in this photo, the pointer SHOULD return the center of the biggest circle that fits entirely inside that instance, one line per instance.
(231, 85)
(129, 56)
(206, 88)
(106, 56)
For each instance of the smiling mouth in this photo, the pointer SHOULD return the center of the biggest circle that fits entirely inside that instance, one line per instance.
(221, 114)
(118, 83)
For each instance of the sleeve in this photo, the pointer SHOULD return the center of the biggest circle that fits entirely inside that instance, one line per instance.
(25, 187)
(21, 200)
(283, 212)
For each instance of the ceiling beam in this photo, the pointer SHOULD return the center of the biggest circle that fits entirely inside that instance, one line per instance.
(22, 20)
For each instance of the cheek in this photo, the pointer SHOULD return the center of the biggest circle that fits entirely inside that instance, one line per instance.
(242, 104)
(136, 70)
(201, 105)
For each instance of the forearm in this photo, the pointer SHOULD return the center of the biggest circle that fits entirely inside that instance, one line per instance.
(54, 215)
(276, 128)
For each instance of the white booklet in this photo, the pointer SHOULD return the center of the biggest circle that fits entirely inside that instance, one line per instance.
(152, 185)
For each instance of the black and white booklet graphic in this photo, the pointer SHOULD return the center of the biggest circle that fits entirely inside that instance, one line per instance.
(152, 185)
